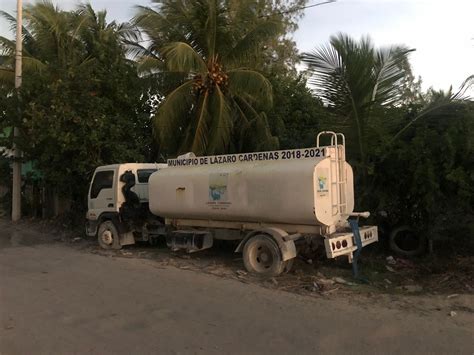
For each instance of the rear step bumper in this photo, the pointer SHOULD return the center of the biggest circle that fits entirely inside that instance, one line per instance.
(339, 244)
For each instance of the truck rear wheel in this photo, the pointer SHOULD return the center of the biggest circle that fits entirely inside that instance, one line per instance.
(262, 256)
(108, 236)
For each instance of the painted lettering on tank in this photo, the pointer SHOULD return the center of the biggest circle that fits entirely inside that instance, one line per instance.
(279, 155)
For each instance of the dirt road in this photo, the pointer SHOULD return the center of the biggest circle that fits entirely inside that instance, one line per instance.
(56, 299)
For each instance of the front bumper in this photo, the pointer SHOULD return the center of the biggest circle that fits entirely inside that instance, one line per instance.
(91, 227)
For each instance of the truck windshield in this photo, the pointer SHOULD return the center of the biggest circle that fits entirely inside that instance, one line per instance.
(144, 175)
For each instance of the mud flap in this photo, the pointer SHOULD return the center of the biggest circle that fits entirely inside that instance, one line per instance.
(288, 250)
(127, 238)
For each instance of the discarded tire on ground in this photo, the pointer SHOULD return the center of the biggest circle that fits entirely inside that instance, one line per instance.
(405, 241)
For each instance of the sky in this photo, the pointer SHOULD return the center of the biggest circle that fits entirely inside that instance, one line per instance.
(441, 31)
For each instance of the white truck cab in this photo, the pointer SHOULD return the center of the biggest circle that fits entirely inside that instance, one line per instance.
(106, 197)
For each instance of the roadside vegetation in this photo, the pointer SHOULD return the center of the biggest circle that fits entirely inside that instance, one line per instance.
(220, 77)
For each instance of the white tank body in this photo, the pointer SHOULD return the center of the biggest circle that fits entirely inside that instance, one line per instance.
(294, 191)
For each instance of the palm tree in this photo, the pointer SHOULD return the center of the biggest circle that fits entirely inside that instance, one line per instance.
(354, 79)
(209, 47)
(58, 40)
(51, 40)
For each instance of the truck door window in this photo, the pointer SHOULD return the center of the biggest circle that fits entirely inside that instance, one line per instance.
(102, 180)
(144, 175)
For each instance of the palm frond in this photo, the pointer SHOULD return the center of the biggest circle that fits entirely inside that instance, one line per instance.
(439, 102)
(181, 57)
(129, 33)
(328, 74)
(466, 85)
(12, 20)
(86, 63)
(153, 23)
(7, 76)
(221, 128)
(252, 85)
(135, 49)
(388, 72)
(262, 134)
(7, 47)
(33, 64)
(48, 15)
(201, 132)
(256, 135)
(353, 75)
(210, 27)
(250, 44)
(171, 115)
(150, 65)
(246, 110)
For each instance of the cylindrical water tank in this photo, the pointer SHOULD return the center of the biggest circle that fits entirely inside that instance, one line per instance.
(298, 191)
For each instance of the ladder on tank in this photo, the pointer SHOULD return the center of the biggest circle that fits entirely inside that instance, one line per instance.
(337, 153)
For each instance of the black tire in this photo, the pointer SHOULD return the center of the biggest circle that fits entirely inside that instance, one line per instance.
(262, 256)
(407, 242)
(108, 236)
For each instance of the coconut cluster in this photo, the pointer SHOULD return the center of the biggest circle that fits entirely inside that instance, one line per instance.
(215, 77)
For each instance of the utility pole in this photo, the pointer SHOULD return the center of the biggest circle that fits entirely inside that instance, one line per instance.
(16, 188)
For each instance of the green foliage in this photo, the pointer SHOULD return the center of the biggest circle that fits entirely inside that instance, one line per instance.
(217, 48)
(413, 153)
(425, 178)
(354, 79)
(296, 116)
(84, 105)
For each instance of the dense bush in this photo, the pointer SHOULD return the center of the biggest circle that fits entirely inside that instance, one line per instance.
(426, 178)
(82, 102)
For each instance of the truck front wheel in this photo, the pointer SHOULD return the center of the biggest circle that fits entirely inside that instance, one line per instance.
(108, 236)
(262, 256)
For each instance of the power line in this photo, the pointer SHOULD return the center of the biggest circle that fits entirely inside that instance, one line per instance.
(313, 5)
(305, 7)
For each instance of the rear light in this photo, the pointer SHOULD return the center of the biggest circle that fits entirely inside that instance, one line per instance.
(339, 244)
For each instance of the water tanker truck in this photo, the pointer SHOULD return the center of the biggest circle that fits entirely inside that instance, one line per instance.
(274, 204)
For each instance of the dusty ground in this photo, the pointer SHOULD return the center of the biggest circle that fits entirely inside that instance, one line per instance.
(61, 294)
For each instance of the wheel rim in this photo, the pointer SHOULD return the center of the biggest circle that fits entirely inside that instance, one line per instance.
(107, 237)
(261, 257)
